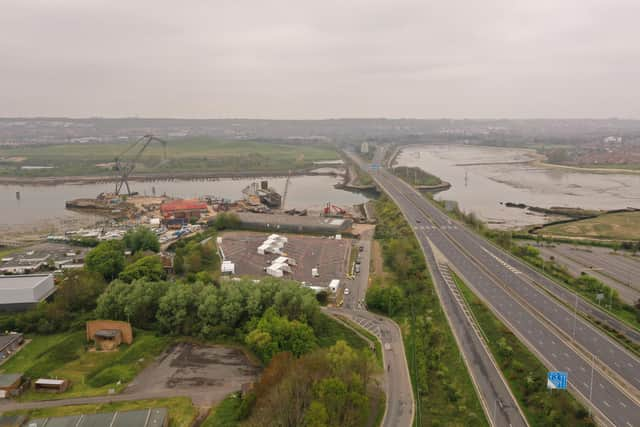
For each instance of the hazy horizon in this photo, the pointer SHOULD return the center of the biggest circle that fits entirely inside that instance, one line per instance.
(293, 60)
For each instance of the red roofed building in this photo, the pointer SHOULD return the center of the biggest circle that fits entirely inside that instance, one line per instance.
(187, 209)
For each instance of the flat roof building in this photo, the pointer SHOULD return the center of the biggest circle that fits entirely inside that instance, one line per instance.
(154, 417)
(23, 291)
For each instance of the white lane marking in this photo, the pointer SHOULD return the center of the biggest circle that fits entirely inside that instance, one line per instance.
(623, 405)
(606, 403)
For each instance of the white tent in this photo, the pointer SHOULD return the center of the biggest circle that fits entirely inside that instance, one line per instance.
(228, 267)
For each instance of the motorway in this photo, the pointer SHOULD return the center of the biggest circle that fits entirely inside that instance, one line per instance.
(499, 404)
(601, 372)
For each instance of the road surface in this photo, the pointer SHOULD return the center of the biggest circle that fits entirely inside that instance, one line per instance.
(601, 267)
(400, 400)
(498, 402)
(601, 372)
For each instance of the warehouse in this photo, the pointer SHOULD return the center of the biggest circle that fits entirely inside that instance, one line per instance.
(24, 291)
(183, 209)
(294, 224)
(156, 417)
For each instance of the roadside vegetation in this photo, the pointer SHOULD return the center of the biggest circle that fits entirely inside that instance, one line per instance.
(443, 389)
(181, 412)
(585, 285)
(525, 374)
(189, 155)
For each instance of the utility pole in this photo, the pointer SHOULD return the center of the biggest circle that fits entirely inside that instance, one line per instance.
(575, 317)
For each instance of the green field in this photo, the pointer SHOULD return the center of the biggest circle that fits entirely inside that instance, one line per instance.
(197, 155)
(616, 226)
(181, 411)
(91, 373)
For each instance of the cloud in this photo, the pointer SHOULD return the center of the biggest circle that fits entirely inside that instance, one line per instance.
(310, 59)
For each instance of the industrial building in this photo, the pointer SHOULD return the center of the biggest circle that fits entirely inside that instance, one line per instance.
(183, 209)
(294, 224)
(24, 291)
(10, 385)
(9, 344)
(154, 417)
(42, 256)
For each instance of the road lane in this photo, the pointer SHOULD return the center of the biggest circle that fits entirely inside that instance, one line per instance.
(531, 327)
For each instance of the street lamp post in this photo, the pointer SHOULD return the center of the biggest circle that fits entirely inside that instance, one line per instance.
(575, 317)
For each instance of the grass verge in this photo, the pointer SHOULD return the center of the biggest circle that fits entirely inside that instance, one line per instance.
(226, 414)
(442, 385)
(91, 373)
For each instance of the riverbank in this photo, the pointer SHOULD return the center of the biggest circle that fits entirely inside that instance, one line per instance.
(586, 169)
(186, 176)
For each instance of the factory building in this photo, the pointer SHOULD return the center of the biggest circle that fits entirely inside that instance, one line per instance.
(183, 209)
(24, 291)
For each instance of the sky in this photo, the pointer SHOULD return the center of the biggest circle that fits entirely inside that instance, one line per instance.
(299, 59)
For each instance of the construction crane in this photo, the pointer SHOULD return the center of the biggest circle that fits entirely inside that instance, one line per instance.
(286, 190)
(124, 167)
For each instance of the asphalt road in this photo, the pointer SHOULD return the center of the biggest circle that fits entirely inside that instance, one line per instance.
(602, 268)
(498, 402)
(561, 340)
(400, 401)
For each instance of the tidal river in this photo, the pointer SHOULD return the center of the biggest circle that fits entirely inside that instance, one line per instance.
(44, 204)
(484, 177)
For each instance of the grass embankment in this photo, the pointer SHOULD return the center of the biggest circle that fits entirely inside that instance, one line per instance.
(91, 373)
(199, 154)
(181, 411)
(416, 176)
(616, 226)
(227, 414)
(443, 389)
(525, 374)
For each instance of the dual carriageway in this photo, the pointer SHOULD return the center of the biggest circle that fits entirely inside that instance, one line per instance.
(602, 374)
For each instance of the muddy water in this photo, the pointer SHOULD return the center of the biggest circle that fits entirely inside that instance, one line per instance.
(483, 177)
(44, 204)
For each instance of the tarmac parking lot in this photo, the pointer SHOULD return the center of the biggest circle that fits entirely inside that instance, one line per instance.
(205, 373)
(329, 255)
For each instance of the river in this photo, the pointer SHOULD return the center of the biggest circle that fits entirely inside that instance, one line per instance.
(42, 206)
(482, 178)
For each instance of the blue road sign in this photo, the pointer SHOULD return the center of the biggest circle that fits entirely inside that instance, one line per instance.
(557, 380)
(374, 166)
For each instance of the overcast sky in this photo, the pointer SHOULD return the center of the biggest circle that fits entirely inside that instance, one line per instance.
(320, 59)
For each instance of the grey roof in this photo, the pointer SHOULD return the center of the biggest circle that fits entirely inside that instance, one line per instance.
(154, 417)
(12, 420)
(6, 340)
(7, 380)
(22, 281)
(107, 333)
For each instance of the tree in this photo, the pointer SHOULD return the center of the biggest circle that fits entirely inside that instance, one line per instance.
(225, 220)
(107, 259)
(274, 334)
(141, 239)
(177, 310)
(78, 291)
(316, 415)
(136, 302)
(149, 267)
